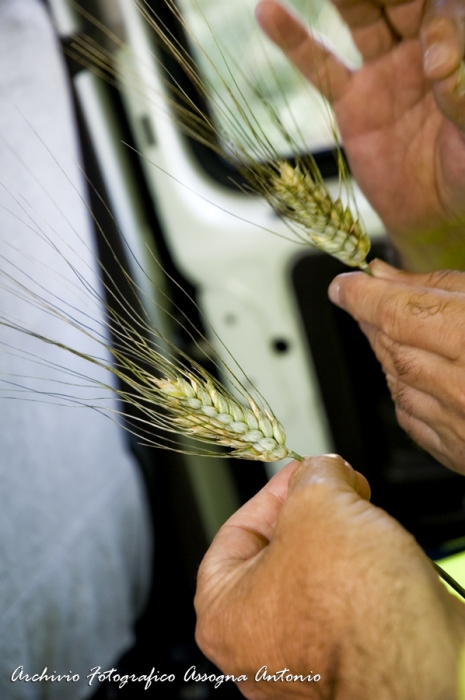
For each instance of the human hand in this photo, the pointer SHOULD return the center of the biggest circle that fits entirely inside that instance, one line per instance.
(309, 576)
(401, 116)
(415, 324)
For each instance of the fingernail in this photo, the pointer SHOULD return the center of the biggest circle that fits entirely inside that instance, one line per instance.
(437, 56)
(334, 292)
(379, 268)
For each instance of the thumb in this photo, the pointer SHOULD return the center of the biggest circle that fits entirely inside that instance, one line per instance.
(332, 470)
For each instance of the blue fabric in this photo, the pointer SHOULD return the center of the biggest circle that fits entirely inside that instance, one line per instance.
(75, 540)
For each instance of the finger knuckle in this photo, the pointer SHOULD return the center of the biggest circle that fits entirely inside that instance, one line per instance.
(402, 399)
(397, 358)
(395, 311)
(425, 305)
(445, 279)
(405, 421)
(456, 399)
(403, 362)
(390, 311)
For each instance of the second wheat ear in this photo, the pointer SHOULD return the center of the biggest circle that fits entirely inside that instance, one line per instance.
(294, 187)
(301, 197)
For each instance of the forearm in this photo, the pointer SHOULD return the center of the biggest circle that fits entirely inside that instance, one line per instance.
(411, 651)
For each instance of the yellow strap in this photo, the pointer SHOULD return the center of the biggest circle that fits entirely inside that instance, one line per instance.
(461, 680)
(455, 566)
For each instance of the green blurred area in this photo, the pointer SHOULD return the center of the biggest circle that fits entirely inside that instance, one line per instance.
(253, 87)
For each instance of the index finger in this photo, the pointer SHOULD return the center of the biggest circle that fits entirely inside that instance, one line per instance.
(319, 65)
(421, 317)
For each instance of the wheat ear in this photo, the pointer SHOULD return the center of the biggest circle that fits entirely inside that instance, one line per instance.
(297, 192)
(209, 412)
(329, 225)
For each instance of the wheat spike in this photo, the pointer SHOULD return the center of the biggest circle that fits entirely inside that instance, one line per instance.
(329, 225)
(208, 412)
(175, 395)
